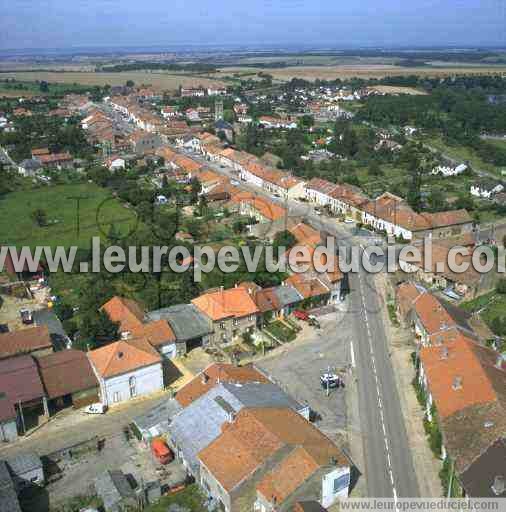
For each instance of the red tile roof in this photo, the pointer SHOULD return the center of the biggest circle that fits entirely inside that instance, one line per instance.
(126, 312)
(123, 356)
(258, 434)
(432, 314)
(472, 365)
(307, 285)
(24, 341)
(157, 333)
(234, 302)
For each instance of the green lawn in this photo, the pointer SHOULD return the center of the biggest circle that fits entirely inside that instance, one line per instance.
(501, 143)
(281, 331)
(97, 211)
(190, 498)
(492, 305)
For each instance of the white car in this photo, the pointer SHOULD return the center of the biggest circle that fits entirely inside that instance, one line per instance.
(97, 408)
(330, 380)
(349, 221)
(234, 182)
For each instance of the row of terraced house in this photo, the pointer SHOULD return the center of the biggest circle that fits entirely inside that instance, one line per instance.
(462, 382)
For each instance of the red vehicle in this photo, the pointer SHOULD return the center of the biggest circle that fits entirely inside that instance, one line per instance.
(161, 451)
(301, 315)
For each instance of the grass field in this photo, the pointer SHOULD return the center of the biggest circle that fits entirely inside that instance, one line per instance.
(360, 70)
(159, 80)
(172, 81)
(490, 306)
(391, 89)
(98, 210)
(463, 154)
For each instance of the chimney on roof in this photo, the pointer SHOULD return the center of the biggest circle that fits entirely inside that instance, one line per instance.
(499, 486)
(205, 378)
(125, 335)
(457, 383)
(444, 353)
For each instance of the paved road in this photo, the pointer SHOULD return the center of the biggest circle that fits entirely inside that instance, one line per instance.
(389, 465)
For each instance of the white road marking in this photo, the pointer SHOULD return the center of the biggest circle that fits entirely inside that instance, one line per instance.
(378, 390)
(352, 355)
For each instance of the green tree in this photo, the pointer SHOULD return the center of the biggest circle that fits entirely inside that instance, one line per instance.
(375, 169)
(195, 188)
(437, 200)
(283, 239)
(97, 330)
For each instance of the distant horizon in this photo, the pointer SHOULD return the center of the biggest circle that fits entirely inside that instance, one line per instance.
(278, 48)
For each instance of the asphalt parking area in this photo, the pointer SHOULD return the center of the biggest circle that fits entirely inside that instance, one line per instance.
(299, 367)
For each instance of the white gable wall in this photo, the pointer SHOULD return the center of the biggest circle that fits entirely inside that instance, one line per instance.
(117, 389)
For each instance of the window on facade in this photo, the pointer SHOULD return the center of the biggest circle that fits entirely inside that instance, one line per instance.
(252, 317)
(115, 396)
(222, 325)
(133, 386)
(236, 322)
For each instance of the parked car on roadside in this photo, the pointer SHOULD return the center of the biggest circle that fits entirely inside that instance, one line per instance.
(330, 380)
(301, 315)
(97, 408)
(26, 316)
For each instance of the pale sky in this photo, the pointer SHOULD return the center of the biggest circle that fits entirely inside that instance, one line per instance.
(42, 24)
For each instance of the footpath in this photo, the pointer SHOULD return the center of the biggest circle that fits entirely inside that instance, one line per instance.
(401, 345)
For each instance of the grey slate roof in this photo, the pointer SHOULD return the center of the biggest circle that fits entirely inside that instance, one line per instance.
(186, 321)
(5, 477)
(287, 295)
(256, 394)
(157, 420)
(199, 424)
(30, 163)
(478, 478)
(23, 463)
(8, 496)
(112, 487)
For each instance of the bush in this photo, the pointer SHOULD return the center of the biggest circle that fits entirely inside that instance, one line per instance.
(501, 286)
(420, 392)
